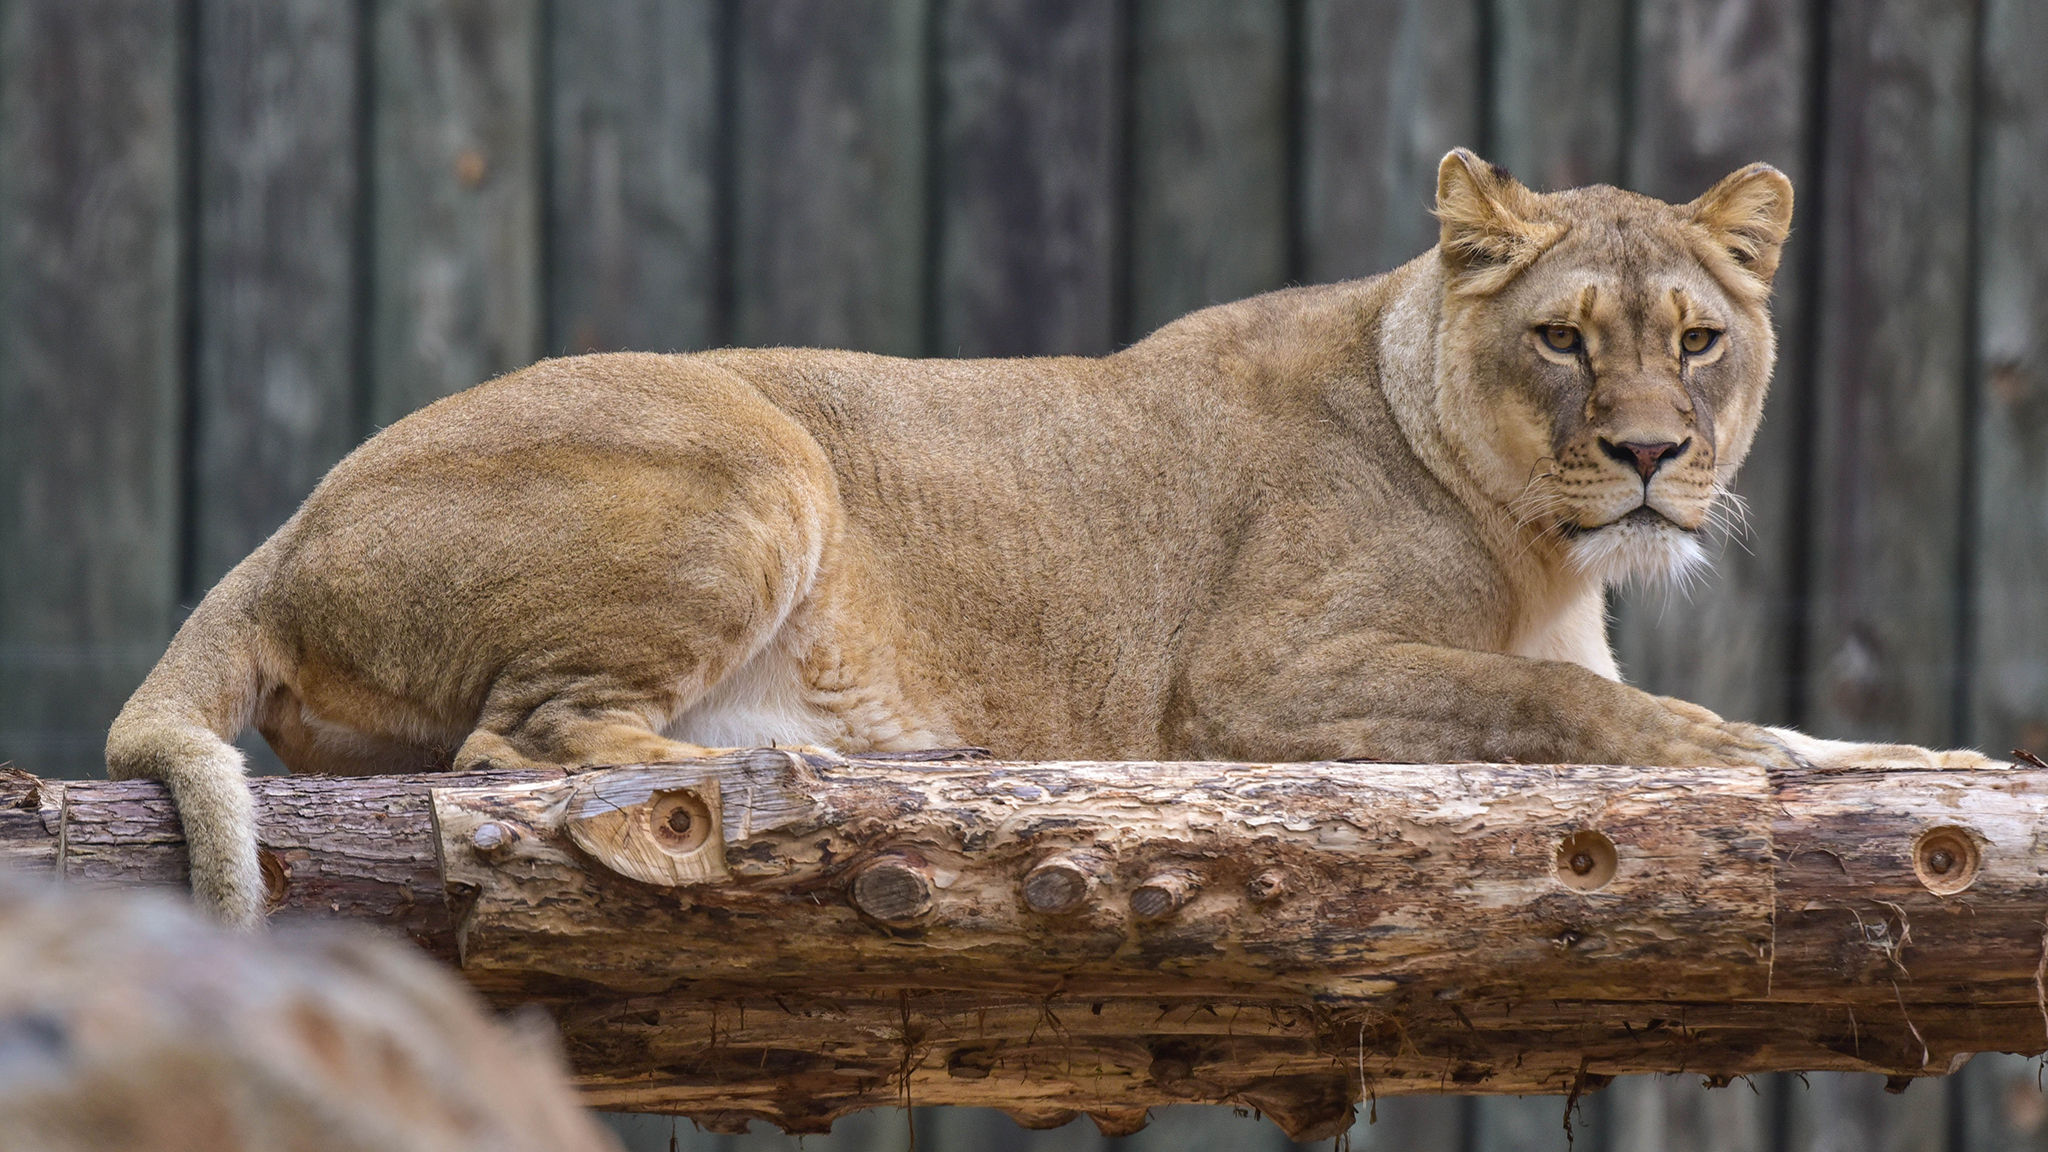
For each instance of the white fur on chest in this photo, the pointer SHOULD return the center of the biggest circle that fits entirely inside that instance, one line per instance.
(1575, 633)
(760, 704)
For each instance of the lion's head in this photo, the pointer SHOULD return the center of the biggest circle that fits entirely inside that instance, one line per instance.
(1604, 356)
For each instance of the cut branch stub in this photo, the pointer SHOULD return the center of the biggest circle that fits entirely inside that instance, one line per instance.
(1946, 859)
(667, 835)
(1586, 861)
(895, 890)
(1162, 895)
(1060, 884)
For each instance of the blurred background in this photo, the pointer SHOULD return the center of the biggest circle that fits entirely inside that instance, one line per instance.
(238, 236)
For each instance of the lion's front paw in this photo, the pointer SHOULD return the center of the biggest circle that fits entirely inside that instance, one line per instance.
(1850, 754)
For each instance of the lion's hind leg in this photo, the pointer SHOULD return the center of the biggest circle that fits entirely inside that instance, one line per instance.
(590, 724)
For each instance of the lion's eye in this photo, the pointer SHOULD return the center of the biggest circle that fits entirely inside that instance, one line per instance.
(1561, 337)
(1698, 340)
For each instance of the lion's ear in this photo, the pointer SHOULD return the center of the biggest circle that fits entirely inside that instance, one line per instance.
(1488, 230)
(1749, 214)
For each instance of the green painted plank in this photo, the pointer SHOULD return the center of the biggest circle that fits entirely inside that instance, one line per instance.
(455, 198)
(829, 152)
(1718, 86)
(1388, 87)
(1209, 155)
(274, 388)
(1027, 176)
(1560, 99)
(634, 149)
(1891, 393)
(2009, 676)
(90, 362)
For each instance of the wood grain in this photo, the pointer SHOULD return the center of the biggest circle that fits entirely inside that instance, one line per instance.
(829, 153)
(1388, 87)
(1560, 100)
(2009, 626)
(633, 232)
(1210, 186)
(456, 209)
(1428, 940)
(91, 307)
(1891, 394)
(1720, 85)
(1029, 131)
(274, 386)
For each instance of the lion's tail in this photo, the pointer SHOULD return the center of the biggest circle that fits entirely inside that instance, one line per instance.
(176, 728)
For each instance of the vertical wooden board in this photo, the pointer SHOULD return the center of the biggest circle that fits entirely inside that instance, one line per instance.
(634, 151)
(1534, 1123)
(1209, 155)
(1559, 115)
(90, 366)
(1831, 1111)
(455, 198)
(1411, 1124)
(274, 388)
(2009, 676)
(2003, 1105)
(1721, 84)
(1678, 1114)
(1890, 394)
(1388, 87)
(1027, 176)
(829, 153)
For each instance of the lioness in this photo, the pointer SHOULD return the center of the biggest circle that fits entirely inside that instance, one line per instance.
(1370, 519)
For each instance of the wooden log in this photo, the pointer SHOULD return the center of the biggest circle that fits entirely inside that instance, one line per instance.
(809, 936)
(126, 1022)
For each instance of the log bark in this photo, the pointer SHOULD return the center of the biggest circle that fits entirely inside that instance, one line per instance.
(792, 937)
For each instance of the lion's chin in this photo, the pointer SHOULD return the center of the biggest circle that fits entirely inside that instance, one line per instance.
(1642, 546)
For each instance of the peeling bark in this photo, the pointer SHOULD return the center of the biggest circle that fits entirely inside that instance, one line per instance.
(790, 937)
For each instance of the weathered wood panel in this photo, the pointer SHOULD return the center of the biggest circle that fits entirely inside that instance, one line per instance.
(1210, 211)
(1682, 1114)
(1720, 84)
(2009, 544)
(1831, 1111)
(1560, 100)
(1890, 397)
(2002, 1105)
(1388, 87)
(1999, 1105)
(635, 145)
(1028, 175)
(830, 174)
(456, 198)
(91, 313)
(274, 393)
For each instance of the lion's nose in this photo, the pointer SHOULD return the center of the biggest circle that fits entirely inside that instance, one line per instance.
(1646, 458)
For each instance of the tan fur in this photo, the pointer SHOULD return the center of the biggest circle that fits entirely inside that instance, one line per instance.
(1372, 519)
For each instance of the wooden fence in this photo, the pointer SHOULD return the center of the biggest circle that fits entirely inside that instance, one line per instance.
(236, 236)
